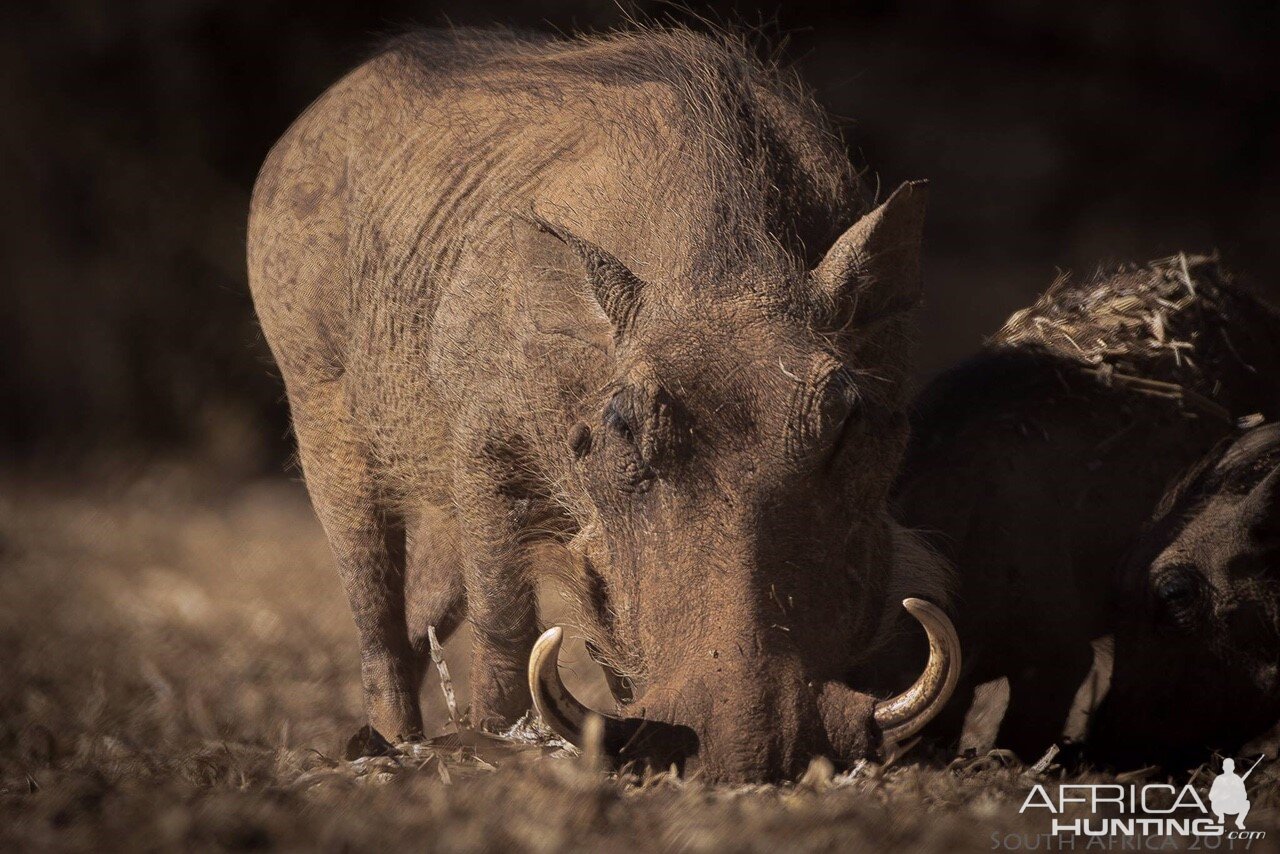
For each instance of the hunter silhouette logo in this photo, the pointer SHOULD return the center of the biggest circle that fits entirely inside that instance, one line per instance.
(1227, 795)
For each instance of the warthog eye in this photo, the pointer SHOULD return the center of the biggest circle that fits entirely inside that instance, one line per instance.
(823, 411)
(1181, 594)
(642, 421)
(620, 420)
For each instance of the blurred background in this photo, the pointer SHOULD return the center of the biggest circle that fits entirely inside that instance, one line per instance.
(1057, 136)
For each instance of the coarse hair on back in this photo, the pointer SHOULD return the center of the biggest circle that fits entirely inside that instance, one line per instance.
(770, 153)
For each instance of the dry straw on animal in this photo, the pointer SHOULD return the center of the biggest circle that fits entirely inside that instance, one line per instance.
(1160, 329)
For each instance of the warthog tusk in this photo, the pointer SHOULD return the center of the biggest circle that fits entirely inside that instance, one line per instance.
(562, 711)
(617, 739)
(905, 715)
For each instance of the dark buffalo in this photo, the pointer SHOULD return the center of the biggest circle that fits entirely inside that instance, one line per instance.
(1034, 466)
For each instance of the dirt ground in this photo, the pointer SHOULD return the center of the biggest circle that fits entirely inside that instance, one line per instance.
(179, 671)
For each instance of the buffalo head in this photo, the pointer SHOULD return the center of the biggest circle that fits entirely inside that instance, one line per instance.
(1197, 657)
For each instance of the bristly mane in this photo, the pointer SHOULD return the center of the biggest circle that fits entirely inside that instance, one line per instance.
(777, 162)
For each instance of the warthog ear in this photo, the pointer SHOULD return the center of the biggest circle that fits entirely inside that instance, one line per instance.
(873, 270)
(618, 290)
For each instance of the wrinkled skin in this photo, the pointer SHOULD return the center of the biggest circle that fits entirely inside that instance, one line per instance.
(1198, 651)
(579, 294)
(1034, 480)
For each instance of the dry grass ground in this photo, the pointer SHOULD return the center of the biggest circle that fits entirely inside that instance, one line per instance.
(179, 671)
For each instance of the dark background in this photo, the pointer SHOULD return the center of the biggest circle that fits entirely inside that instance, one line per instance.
(1057, 135)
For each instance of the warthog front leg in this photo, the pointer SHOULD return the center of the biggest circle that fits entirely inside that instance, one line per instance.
(368, 545)
(495, 514)
(434, 591)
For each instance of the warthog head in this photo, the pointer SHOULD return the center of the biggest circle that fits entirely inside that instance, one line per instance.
(1197, 657)
(735, 467)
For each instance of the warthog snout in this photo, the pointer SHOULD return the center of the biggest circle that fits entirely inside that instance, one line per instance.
(774, 724)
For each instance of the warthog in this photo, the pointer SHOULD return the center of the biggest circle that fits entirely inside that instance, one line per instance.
(566, 291)
(1035, 465)
(1197, 655)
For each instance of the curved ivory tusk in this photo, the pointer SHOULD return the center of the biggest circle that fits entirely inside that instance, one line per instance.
(551, 699)
(906, 714)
